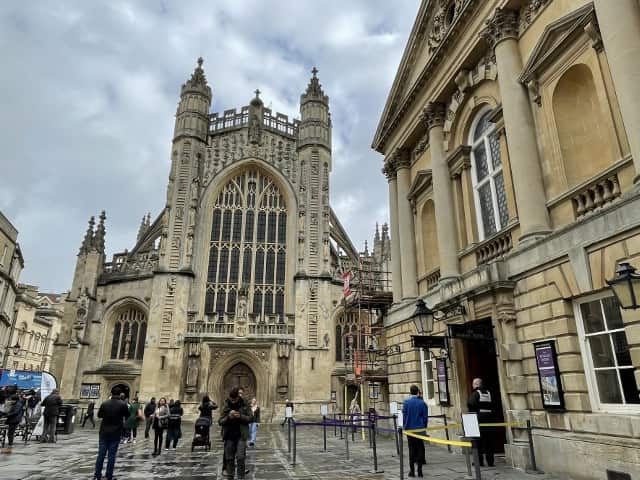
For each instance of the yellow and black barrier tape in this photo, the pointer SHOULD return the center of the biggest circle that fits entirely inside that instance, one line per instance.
(441, 441)
(456, 425)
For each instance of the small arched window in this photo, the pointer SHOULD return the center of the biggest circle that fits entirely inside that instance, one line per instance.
(129, 332)
(488, 180)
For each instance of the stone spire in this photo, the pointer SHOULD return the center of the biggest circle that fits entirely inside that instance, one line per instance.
(100, 233)
(144, 225)
(192, 117)
(315, 119)
(198, 79)
(88, 241)
(314, 89)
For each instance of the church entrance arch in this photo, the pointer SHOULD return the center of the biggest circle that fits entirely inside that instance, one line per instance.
(240, 375)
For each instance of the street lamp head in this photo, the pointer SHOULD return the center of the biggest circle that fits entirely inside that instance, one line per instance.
(422, 318)
(626, 286)
(372, 354)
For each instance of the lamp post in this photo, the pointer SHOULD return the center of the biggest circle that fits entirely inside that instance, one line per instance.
(626, 286)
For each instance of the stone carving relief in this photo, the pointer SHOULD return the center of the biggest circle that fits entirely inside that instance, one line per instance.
(529, 11)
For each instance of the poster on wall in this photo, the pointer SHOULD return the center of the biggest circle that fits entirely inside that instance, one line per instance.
(89, 391)
(549, 375)
(443, 383)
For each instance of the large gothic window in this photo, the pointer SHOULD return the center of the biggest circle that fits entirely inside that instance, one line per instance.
(248, 247)
(346, 327)
(129, 333)
(488, 180)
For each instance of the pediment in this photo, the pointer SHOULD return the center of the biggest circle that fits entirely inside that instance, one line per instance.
(420, 184)
(556, 37)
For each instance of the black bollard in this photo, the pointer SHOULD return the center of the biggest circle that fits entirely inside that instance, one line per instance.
(346, 444)
(288, 436)
(294, 443)
(324, 432)
(335, 426)
(476, 460)
(375, 448)
(341, 425)
(395, 433)
(370, 420)
(401, 453)
(534, 466)
(446, 430)
(353, 429)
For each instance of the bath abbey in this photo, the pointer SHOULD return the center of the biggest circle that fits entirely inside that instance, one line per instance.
(236, 282)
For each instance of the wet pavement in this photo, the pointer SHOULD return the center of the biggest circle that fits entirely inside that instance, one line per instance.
(73, 457)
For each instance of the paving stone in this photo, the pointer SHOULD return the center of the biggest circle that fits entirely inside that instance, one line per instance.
(73, 457)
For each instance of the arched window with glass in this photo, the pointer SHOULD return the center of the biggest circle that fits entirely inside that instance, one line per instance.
(487, 176)
(248, 248)
(346, 327)
(129, 334)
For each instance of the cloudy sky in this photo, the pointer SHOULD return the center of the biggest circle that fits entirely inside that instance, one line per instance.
(88, 93)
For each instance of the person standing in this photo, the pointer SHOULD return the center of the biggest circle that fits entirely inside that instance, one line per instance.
(481, 403)
(14, 411)
(51, 405)
(235, 419)
(253, 426)
(113, 413)
(160, 424)
(135, 414)
(207, 407)
(174, 431)
(149, 410)
(415, 415)
(89, 415)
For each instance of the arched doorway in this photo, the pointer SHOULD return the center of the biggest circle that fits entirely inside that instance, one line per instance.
(120, 388)
(240, 375)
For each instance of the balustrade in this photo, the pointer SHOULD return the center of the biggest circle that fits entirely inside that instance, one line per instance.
(495, 247)
(271, 326)
(433, 278)
(596, 195)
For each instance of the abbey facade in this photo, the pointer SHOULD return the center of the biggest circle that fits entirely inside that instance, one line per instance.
(236, 282)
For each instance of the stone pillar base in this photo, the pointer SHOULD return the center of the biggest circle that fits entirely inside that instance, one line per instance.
(517, 455)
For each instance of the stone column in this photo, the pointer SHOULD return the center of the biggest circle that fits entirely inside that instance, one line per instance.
(620, 30)
(396, 269)
(434, 115)
(408, 260)
(502, 32)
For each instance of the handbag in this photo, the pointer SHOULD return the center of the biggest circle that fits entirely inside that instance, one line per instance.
(163, 422)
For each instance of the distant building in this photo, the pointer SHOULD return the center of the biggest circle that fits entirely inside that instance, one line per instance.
(511, 143)
(11, 264)
(38, 322)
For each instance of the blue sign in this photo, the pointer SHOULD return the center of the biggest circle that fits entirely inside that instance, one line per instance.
(24, 379)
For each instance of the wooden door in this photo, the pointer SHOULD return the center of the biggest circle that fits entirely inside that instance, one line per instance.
(240, 375)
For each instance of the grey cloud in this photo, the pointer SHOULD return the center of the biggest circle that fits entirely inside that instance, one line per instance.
(89, 91)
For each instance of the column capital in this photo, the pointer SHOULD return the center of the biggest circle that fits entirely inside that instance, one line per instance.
(401, 158)
(503, 25)
(389, 169)
(434, 114)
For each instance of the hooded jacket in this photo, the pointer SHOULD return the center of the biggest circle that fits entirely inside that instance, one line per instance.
(236, 428)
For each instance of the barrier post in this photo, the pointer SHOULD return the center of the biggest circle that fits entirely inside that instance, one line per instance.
(335, 426)
(374, 447)
(401, 453)
(294, 443)
(446, 430)
(341, 426)
(346, 443)
(353, 428)
(288, 436)
(370, 419)
(324, 432)
(534, 466)
(476, 459)
(395, 432)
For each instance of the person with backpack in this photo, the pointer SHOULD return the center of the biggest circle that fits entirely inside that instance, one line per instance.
(160, 424)
(174, 431)
(14, 411)
(149, 410)
(481, 403)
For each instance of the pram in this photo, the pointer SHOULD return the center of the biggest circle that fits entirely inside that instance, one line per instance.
(201, 434)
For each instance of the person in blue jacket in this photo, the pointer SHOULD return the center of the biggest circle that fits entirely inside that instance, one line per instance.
(415, 416)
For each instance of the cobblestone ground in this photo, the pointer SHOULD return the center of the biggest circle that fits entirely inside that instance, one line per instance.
(73, 457)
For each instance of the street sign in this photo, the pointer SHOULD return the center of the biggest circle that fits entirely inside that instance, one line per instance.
(428, 341)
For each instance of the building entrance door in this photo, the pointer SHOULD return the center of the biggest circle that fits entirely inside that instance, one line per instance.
(120, 388)
(479, 360)
(240, 375)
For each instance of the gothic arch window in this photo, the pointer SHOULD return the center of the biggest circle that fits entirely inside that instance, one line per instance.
(248, 247)
(346, 324)
(488, 179)
(129, 333)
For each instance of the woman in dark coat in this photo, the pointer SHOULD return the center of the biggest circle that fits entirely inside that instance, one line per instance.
(207, 407)
(175, 419)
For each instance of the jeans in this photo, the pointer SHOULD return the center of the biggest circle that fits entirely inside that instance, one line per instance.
(253, 431)
(149, 422)
(49, 433)
(235, 450)
(173, 434)
(133, 433)
(157, 441)
(105, 446)
(90, 418)
(11, 432)
(416, 453)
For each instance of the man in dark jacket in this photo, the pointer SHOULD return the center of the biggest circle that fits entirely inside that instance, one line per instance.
(415, 416)
(13, 412)
(51, 405)
(481, 403)
(149, 410)
(89, 415)
(235, 419)
(113, 413)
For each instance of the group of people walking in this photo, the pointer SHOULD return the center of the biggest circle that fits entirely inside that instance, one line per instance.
(120, 420)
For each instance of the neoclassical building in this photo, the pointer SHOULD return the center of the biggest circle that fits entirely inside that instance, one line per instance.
(511, 143)
(236, 282)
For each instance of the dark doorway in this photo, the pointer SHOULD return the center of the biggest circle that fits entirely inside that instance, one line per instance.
(120, 388)
(240, 375)
(353, 391)
(479, 359)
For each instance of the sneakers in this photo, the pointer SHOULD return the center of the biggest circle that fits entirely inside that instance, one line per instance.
(7, 450)
(133, 441)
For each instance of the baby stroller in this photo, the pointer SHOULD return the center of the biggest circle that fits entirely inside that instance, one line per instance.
(201, 435)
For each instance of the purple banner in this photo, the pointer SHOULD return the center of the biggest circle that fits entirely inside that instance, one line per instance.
(548, 375)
